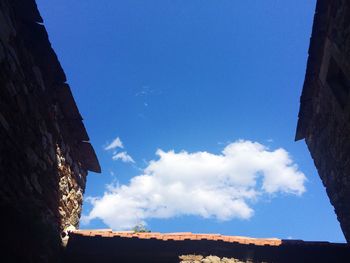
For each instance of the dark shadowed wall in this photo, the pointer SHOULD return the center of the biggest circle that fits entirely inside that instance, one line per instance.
(44, 148)
(324, 117)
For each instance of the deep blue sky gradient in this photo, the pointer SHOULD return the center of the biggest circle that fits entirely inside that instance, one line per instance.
(193, 75)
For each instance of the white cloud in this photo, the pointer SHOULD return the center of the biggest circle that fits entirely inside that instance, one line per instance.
(117, 143)
(124, 157)
(221, 186)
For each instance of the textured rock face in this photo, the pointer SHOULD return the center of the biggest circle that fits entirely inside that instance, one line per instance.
(44, 153)
(209, 259)
(71, 189)
(325, 104)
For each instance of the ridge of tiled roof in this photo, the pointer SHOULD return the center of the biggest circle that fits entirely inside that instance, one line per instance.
(179, 236)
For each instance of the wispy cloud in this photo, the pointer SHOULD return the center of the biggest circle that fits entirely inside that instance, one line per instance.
(124, 157)
(116, 143)
(144, 91)
(222, 186)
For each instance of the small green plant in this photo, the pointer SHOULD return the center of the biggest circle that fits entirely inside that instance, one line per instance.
(140, 228)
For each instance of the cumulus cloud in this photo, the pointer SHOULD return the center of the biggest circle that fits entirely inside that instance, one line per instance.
(124, 157)
(221, 186)
(116, 143)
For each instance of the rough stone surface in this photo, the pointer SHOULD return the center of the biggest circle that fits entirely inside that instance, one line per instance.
(210, 259)
(42, 171)
(324, 117)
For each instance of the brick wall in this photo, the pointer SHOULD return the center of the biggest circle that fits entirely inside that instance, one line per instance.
(44, 150)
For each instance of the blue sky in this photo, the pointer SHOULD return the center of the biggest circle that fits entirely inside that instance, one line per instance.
(194, 77)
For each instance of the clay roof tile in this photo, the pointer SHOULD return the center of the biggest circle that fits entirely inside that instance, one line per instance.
(180, 236)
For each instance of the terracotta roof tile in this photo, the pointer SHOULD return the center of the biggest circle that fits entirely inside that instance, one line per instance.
(180, 236)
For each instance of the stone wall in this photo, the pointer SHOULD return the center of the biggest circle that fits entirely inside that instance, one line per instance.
(211, 259)
(324, 117)
(44, 150)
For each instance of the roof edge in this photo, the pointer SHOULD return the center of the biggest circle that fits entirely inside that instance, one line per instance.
(317, 43)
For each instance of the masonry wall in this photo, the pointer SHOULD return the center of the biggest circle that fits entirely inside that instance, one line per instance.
(324, 118)
(44, 149)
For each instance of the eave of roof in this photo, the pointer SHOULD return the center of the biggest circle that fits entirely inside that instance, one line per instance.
(183, 236)
(37, 42)
(316, 49)
(180, 236)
